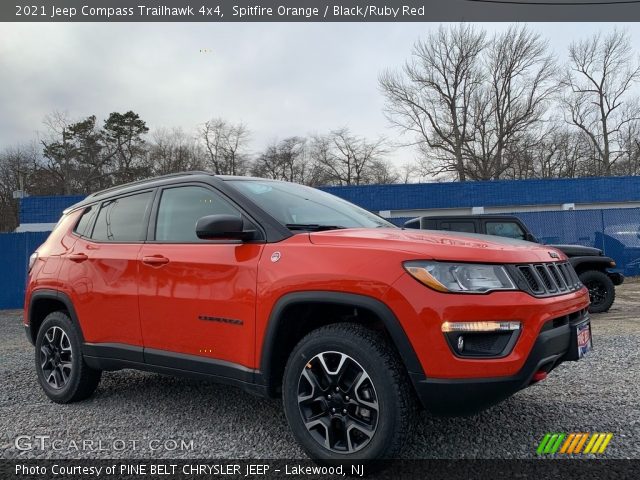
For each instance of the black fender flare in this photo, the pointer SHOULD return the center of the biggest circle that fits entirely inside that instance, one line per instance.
(600, 262)
(381, 310)
(50, 294)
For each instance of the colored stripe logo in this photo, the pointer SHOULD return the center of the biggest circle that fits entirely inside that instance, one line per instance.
(574, 443)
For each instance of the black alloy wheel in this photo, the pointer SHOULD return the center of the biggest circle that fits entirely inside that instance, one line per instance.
(347, 395)
(601, 290)
(56, 357)
(62, 371)
(338, 402)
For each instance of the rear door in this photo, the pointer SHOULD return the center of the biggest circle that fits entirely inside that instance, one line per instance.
(197, 297)
(101, 272)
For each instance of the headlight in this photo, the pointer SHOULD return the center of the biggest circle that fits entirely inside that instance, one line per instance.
(460, 277)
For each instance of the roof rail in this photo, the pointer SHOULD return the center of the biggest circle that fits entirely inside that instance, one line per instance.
(138, 182)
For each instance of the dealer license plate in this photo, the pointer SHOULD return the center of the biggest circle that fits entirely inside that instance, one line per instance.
(584, 338)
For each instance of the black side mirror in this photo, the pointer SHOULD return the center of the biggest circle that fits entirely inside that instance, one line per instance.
(222, 227)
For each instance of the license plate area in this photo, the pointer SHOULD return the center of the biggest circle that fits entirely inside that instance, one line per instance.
(580, 341)
(583, 339)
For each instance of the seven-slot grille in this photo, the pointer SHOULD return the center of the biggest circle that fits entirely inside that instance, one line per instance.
(550, 278)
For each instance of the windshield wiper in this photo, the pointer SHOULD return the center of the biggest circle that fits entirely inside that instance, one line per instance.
(313, 227)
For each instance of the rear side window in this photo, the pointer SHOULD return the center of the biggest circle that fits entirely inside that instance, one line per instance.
(122, 219)
(86, 221)
(181, 207)
(466, 227)
(505, 229)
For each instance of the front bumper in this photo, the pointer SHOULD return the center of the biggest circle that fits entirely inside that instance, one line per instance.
(616, 277)
(554, 345)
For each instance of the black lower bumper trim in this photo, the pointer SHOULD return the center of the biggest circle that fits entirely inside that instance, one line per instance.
(468, 396)
(616, 277)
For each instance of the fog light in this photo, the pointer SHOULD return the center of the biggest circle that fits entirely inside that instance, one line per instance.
(484, 339)
(448, 327)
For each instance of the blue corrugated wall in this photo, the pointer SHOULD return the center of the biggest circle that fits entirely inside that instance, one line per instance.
(428, 195)
(491, 194)
(45, 209)
(614, 230)
(15, 249)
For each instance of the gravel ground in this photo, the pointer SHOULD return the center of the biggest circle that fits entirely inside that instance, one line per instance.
(146, 415)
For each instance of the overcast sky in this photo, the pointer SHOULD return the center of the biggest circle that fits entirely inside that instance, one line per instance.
(279, 79)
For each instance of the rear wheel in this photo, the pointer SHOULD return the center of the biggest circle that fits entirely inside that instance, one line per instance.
(347, 396)
(602, 292)
(62, 372)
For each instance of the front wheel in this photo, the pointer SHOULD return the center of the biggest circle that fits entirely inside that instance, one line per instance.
(602, 292)
(347, 395)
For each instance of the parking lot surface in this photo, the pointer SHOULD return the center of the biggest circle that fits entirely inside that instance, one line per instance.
(142, 415)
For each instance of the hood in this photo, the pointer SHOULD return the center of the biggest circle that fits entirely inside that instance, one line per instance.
(440, 245)
(578, 250)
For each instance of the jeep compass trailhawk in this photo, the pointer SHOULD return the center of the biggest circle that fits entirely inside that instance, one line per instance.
(284, 290)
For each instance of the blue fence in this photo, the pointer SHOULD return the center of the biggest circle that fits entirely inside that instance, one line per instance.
(496, 193)
(428, 195)
(45, 209)
(616, 231)
(15, 249)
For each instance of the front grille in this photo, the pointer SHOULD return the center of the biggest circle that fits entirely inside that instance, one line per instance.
(544, 279)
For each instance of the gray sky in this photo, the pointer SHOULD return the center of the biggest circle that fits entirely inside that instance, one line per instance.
(280, 79)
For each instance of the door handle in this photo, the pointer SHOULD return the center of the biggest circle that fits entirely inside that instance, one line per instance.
(78, 257)
(155, 260)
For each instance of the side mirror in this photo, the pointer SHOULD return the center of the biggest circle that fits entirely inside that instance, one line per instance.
(221, 227)
(530, 237)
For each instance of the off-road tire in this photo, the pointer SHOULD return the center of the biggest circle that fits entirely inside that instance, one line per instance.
(82, 380)
(602, 291)
(396, 399)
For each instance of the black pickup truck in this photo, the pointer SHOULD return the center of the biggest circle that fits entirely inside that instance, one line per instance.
(592, 266)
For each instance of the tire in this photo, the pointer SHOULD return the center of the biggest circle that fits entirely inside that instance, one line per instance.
(62, 372)
(602, 292)
(369, 376)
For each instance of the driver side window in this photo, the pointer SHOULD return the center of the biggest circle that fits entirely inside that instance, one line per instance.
(181, 207)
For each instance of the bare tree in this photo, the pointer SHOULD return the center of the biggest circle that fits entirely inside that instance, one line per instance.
(18, 167)
(382, 172)
(348, 159)
(172, 151)
(598, 100)
(225, 145)
(556, 152)
(512, 102)
(409, 171)
(432, 95)
(287, 160)
(629, 140)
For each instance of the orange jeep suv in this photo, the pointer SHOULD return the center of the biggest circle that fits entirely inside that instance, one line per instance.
(284, 290)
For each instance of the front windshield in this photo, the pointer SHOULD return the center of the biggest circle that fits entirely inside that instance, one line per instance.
(299, 207)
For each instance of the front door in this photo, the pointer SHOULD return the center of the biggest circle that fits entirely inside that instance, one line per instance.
(197, 297)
